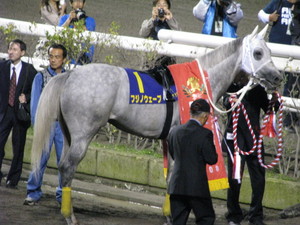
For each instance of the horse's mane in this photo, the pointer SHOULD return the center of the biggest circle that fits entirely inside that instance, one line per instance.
(221, 53)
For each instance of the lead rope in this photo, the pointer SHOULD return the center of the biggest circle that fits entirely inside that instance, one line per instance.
(280, 136)
(235, 119)
(235, 116)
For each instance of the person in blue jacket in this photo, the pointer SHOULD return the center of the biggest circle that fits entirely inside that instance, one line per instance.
(57, 56)
(77, 13)
(220, 17)
(162, 18)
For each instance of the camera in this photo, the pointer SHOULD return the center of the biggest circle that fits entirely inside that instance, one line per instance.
(226, 2)
(161, 13)
(80, 14)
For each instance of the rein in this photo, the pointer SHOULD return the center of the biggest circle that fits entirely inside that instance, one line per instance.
(258, 144)
(242, 91)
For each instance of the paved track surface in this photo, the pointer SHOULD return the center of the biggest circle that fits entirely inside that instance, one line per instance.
(100, 202)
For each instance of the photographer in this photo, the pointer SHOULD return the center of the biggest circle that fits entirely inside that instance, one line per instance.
(220, 17)
(162, 18)
(69, 20)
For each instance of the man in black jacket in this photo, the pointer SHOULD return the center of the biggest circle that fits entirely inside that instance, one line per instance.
(192, 147)
(15, 86)
(254, 100)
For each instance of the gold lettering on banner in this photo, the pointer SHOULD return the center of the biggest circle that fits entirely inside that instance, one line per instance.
(145, 99)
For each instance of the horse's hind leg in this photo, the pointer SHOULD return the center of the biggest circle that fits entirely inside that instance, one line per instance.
(71, 157)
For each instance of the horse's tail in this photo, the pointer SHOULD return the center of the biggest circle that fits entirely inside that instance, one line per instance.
(48, 112)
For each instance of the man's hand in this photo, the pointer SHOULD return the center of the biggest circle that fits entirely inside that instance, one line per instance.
(168, 14)
(154, 13)
(22, 98)
(274, 16)
(293, 1)
(274, 97)
(73, 15)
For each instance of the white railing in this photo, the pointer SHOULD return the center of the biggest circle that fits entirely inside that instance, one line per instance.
(211, 41)
(177, 43)
(285, 57)
(181, 44)
(125, 42)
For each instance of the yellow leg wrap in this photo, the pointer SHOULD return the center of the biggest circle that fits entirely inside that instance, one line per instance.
(167, 206)
(66, 202)
(165, 173)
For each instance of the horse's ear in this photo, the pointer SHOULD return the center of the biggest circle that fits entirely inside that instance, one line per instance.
(254, 32)
(263, 32)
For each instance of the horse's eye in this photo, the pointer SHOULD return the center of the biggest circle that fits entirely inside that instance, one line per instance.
(258, 54)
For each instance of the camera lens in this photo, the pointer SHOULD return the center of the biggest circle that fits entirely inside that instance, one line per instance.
(161, 13)
(80, 14)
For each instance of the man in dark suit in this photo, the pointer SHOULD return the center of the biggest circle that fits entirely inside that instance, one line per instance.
(15, 87)
(191, 146)
(254, 100)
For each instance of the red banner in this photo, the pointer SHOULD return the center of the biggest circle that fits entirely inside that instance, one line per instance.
(190, 87)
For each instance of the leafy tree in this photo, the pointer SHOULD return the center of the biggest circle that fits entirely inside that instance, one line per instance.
(9, 32)
(74, 41)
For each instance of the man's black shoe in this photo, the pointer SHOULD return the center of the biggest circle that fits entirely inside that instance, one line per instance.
(10, 185)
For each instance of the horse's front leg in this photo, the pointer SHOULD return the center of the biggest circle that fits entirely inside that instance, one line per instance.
(166, 205)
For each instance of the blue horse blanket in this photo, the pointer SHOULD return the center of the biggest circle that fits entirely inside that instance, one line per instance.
(144, 89)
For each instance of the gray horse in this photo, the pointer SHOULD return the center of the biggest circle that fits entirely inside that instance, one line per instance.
(86, 98)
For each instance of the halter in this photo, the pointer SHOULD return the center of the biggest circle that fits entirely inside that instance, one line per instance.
(247, 60)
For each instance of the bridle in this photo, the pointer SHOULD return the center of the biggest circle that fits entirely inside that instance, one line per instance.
(248, 67)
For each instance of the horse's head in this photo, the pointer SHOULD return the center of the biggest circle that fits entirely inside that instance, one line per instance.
(257, 60)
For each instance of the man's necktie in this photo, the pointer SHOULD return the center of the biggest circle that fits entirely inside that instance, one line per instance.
(12, 88)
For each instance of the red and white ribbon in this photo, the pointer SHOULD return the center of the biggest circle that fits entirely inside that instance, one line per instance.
(235, 119)
(280, 138)
(236, 168)
(268, 129)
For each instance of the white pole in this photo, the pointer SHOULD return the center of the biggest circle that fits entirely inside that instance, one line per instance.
(285, 57)
(291, 104)
(211, 41)
(131, 43)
